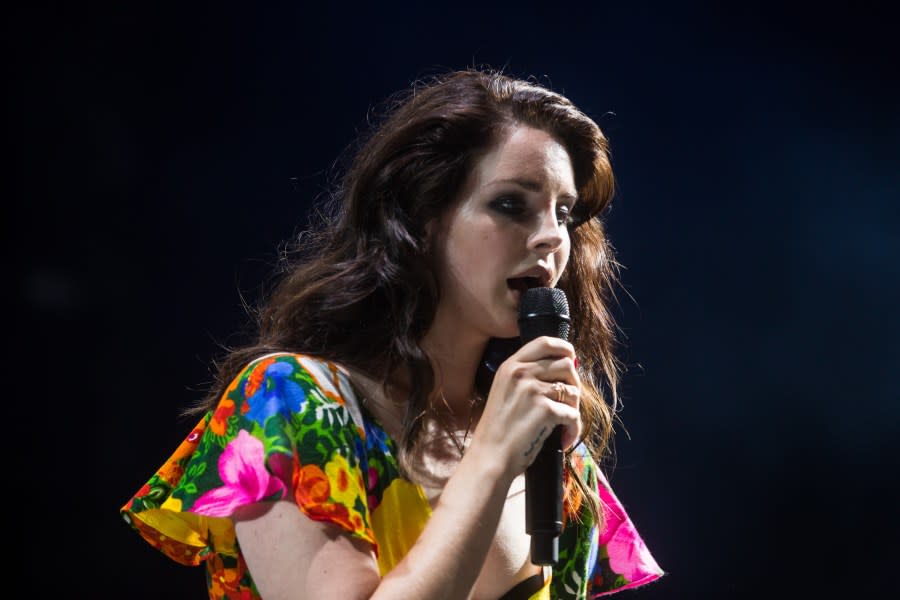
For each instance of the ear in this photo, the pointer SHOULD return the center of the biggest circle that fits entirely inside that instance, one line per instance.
(430, 233)
(435, 231)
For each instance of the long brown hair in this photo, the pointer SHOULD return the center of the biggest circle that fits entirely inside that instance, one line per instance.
(359, 290)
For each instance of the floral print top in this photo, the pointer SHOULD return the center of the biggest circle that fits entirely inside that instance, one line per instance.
(291, 427)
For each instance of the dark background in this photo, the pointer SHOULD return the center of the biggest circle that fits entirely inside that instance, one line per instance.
(162, 152)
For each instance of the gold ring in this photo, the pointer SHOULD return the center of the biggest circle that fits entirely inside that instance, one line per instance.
(560, 389)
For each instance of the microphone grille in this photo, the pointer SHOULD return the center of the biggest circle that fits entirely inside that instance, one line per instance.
(543, 311)
(544, 301)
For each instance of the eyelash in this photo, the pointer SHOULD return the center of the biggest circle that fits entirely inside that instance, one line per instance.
(515, 206)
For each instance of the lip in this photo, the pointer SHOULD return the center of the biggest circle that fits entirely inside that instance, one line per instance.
(542, 274)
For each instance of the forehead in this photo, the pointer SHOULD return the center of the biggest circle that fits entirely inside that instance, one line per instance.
(527, 152)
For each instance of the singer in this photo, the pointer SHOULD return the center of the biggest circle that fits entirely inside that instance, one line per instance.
(373, 441)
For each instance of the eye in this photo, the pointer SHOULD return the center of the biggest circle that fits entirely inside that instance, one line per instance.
(511, 205)
(564, 215)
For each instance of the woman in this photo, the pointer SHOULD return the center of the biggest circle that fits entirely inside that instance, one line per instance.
(355, 450)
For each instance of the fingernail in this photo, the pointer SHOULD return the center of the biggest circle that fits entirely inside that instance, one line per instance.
(576, 362)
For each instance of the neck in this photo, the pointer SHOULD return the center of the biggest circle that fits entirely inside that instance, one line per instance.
(455, 358)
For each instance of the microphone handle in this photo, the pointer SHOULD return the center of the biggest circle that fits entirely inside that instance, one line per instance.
(544, 500)
(544, 311)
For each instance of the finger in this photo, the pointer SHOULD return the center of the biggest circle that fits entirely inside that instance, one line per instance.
(570, 437)
(560, 369)
(564, 394)
(545, 347)
(570, 419)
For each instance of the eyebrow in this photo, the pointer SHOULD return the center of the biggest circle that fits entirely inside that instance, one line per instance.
(532, 185)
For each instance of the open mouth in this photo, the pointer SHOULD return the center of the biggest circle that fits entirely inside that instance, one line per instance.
(523, 283)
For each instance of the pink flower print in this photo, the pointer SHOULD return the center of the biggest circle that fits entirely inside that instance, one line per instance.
(373, 481)
(243, 470)
(628, 555)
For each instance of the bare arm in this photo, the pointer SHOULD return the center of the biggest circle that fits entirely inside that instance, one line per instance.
(444, 563)
(292, 556)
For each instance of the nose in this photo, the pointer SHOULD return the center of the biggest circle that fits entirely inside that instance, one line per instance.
(548, 235)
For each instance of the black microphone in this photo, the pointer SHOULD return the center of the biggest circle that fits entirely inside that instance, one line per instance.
(544, 312)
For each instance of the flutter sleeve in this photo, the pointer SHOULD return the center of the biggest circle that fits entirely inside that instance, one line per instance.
(623, 560)
(599, 559)
(282, 430)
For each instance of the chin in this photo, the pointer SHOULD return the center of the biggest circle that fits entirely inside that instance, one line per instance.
(506, 329)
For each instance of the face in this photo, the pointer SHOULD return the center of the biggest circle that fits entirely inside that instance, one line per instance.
(506, 232)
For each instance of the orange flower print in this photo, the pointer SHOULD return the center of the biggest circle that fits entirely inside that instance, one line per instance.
(257, 376)
(330, 495)
(331, 513)
(218, 424)
(311, 485)
(223, 581)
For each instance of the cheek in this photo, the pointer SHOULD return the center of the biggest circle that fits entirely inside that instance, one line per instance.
(462, 259)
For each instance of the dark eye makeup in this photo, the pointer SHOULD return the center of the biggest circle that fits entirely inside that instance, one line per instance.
(512, 205)
(516, 206)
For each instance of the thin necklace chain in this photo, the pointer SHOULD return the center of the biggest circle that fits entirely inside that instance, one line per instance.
(460, 446)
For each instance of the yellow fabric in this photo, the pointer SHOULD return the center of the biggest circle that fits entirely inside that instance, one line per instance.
(397, 522)
(181, 527)
(544, 592)
(193, 530)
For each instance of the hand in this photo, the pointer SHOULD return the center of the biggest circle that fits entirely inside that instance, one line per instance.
(534, 390)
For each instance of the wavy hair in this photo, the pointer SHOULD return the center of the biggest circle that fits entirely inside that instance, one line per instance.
(359, 289)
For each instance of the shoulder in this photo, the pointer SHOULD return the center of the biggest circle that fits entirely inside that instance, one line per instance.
(285, 384)
(286, 420)
(291, 365)
(282, 430)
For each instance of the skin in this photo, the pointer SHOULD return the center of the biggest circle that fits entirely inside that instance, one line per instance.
(510, 217)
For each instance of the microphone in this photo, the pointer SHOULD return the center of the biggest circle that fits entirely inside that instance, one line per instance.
(544, 312)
